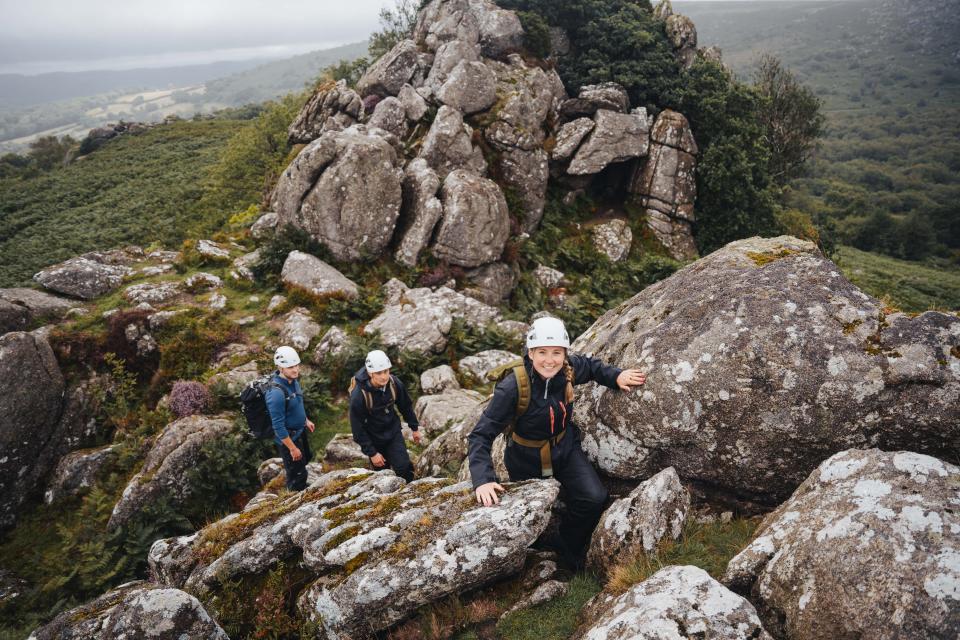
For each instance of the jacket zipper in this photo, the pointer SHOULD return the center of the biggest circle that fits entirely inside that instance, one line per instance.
(551, 420)
(563, 408)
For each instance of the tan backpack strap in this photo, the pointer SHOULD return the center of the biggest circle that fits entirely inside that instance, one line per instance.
(523, 389)
(367, 398)
(393, 389)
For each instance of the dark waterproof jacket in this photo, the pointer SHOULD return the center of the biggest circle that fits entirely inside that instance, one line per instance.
(547, 415)
(381, 422)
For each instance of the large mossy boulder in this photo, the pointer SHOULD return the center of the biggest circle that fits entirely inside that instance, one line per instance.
(762, 361)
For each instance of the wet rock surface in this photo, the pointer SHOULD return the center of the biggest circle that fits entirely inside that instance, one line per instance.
(866, 547)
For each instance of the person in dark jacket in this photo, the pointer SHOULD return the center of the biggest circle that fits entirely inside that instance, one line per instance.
(284, 400)
(544, 441)
(374, 402)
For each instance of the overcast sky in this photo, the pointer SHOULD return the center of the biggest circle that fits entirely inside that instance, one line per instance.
(38, 36)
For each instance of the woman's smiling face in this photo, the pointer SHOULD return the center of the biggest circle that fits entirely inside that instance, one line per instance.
(548, 361)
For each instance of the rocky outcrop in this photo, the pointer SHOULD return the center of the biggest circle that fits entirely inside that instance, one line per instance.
(866, 547)
(448, 145)
(31, 397)
(390, 115)
(333, 344)
(470, 87)
(615, 137)
(479, 365)
(592, 97)
(437, 379)
(655, 510)
(569, 138)
(682, 34)
(20, 308)
(332, 107)
(476, 22)
(675, 602)
(342, 448)
(492, 283)
(476, 221)
(421, 210)
(667, 186)
(299, 329)
(76, 472)
(613, 239)
(448, 56)
(88, 276)
(334, 184)
(439, 412)
(401, 65)
(135, 610)
(233, 381)
(175, 452)
(316, 276)
(445, 453)
(762, 361)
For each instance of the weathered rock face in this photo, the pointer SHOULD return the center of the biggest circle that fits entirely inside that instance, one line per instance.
(448, 56)
(413, 103)
(342, 448)
(866, 547)
(316, 276)
(265, 225)
(399, 66)
(353, 528)
(676, 602)
(437, 379)
(683, 36)
(667, 184)
(480, 364)
(445, 453)
(448, 146)
(613, 239)
(343, 189)
(497, 31)
(333, 107)
(616, 137)
(153, 294)
(492, 283)
(22, 307)
(470, 87)
(390, 115)
(88, 276)
(421, 210)
(332, 344)
(570, 136)
(762, 361)
(234, 380)
(176, 451)
(299, 329)
(76, 472)
(656, 509)
(592, 97)
(439, 412)
(135, 610)
(31, 393)
(476, 221)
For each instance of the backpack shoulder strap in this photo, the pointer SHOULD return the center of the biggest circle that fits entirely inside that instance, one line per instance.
(393, 388)
(270, 384)
(523, 395)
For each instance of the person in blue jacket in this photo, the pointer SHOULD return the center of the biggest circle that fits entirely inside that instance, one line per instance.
(284, 400)
(374, 400)
(545, 442)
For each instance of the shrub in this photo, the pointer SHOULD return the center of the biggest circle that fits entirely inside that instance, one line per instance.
(189, 397)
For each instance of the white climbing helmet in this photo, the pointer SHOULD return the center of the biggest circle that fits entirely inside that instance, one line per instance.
(547, 332)
(286, 357)
(377, 361)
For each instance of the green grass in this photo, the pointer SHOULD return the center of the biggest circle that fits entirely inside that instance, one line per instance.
(136, 189)
(554, 619)
(910, 286)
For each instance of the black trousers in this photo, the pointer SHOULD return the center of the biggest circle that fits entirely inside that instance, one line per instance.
(394, 449)
(296, 470)
(584, 494)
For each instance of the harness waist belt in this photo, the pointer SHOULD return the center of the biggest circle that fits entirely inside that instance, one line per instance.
(546, 463)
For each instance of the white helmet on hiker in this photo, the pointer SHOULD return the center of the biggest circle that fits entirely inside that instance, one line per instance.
(377, 361)
(547, 332)
(286, 357)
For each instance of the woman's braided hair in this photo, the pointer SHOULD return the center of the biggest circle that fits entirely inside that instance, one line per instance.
(568, 372)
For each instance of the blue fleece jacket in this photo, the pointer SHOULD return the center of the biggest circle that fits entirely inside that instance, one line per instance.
(292, 421)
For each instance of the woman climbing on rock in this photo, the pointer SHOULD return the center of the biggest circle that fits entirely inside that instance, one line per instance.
(536, 400)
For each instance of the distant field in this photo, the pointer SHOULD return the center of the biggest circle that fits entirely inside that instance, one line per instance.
(137, 189)
(911, 286)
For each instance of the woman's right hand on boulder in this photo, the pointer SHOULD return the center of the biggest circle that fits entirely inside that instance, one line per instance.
(378, 461)
(487, 493)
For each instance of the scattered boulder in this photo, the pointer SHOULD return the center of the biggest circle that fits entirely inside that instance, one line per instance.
(866, 547)
(299, 329)
(544, 592)
(316, 276)
(332, 344)
(439, 411)
(413, 103)
(593, 97)
(333, 185)
(88, 276)
(265, 225)
(176, 450)
(675, 602)
(234, 380)
(471, 87)
(31, 393)
(667, 186)
(548, 277)
(655, 510)
(492, 283)
(480, 364)
(76, 472)
(570, 136)
(202, 280)
(613, 239)
(412, 327)
(21, 307)
(212, 251)
(342, 448)
(332, 107)
(152, 293)
(420, 212)
(748, 353)
(448, 145)
(390, 115)
(399, 66)
(243, 266)
(276, 302)
(616, 137)
(476, 221)
(438, 379)
(135, 610)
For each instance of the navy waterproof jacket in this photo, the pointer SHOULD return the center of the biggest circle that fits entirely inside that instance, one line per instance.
(288, 416)
(547, 415)
(381, 422)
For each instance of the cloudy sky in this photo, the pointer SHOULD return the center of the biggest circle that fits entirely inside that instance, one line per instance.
(48, 35)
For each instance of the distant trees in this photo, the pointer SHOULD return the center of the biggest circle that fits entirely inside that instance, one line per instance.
(396, 23)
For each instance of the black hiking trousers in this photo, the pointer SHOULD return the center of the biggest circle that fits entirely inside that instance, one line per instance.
(583, 493)
(296, 470)
(394, 449)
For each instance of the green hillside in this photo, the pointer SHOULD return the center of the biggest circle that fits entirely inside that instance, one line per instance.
(887, 176)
